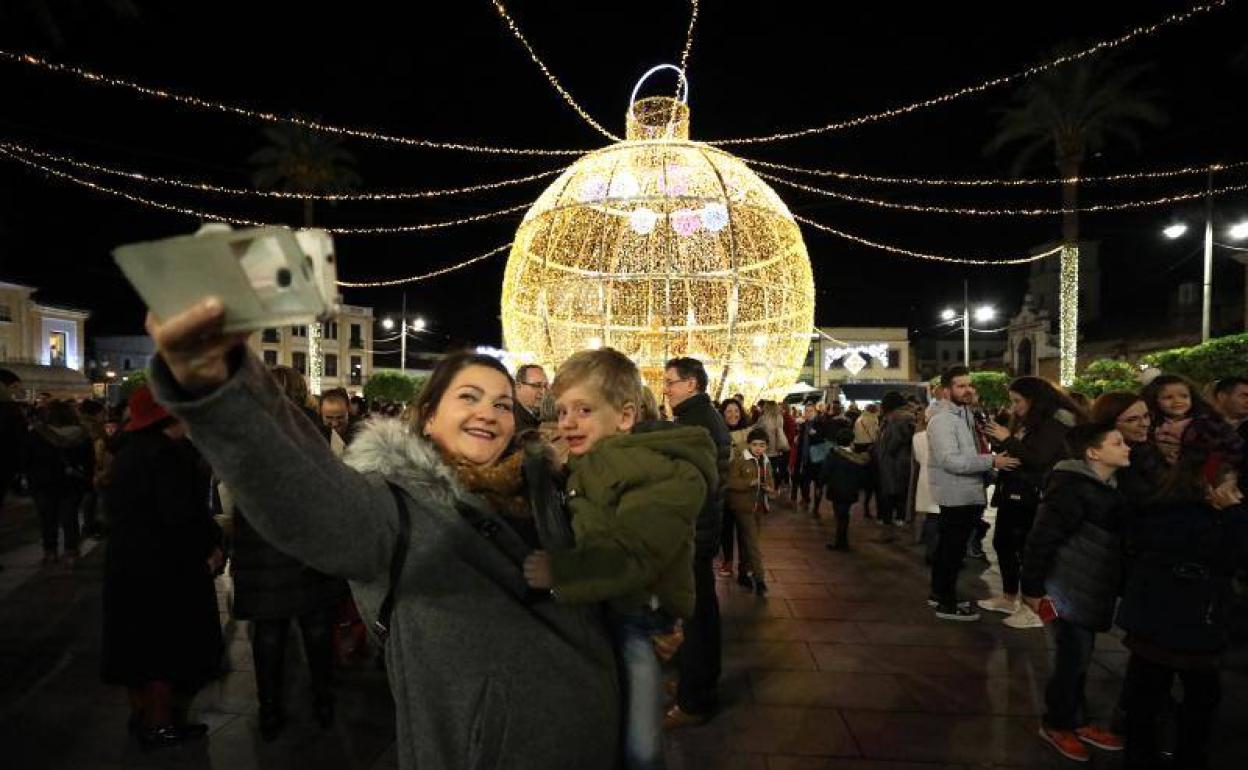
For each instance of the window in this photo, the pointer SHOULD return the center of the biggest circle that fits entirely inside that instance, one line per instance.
(894, 359)
(56, 349)
(6, 314)
(974, 354)
(331, 330)
(357, 336)
(1187, 294)
(357, 370)
(299, 360)
(944, 355)
(331, 365)
(270, 335)
(270, 358)
(125, 364)
(299, 331)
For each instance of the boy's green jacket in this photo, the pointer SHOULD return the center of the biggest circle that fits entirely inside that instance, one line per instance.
(634, 499)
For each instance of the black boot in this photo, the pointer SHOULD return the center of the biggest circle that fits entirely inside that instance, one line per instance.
(268, 648)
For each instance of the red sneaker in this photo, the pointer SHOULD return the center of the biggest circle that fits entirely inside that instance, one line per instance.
(1066, 742)
(1100, 738)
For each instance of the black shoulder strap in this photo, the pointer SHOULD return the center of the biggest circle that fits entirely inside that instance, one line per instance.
(397, 560)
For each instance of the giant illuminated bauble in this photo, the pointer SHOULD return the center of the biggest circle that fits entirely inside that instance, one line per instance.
(661, 247)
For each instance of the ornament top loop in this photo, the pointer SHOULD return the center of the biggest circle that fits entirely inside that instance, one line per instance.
(659, 117)
(682, 94)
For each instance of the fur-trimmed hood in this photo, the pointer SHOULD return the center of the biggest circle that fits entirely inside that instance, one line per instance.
(388, 447)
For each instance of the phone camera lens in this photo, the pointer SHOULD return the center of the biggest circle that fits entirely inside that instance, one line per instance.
(283, 277)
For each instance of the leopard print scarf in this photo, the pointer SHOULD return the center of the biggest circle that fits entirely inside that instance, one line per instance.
(500, 484)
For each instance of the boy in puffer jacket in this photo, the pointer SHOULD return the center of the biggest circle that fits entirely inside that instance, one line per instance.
(634, 492)
(1073, 559)
(749, 483)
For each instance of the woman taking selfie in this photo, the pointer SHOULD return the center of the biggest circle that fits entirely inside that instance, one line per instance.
(484, 672)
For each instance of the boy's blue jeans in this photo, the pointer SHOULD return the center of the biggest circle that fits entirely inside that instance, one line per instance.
(642, 683)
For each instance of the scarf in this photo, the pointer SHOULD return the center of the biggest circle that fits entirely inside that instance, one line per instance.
(501, 484)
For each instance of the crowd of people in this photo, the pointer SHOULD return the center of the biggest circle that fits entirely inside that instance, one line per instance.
(534, 552)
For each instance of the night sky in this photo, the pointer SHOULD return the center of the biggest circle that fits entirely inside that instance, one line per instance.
(451, 71)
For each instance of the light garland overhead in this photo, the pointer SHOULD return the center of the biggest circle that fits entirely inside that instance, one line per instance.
(253, 193)
(851, 176)
(1003, 261)
(875, 117)
(268, 117)
(661, 247)
(1003, 212)
(688, 49)
(425, 276)
(242, 221)
(550, 76)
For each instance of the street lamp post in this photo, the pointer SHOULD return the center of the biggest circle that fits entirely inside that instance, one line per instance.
(1179, 229)
(982, 313)
(417, 325)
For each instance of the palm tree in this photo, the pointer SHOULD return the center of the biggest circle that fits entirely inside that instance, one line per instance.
(299, 160)
(1074, 110)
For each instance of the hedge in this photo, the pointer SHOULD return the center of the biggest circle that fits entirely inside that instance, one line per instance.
(1206, 362)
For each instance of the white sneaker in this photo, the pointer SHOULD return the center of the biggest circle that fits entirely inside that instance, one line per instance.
(999, 604)
(1024, 618)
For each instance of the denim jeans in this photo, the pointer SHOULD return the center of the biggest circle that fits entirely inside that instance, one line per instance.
(641, 678)
(1064, 697)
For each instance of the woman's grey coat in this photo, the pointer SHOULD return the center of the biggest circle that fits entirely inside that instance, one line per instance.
(483, 674)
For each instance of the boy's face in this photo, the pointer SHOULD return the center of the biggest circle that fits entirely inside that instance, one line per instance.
(1113, 451)
(585, 418)
(758, 448)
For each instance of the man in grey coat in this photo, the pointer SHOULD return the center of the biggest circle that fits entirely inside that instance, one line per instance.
(958, 470)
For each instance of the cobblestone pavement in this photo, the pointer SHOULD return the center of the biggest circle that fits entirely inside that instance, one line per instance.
(841, 666)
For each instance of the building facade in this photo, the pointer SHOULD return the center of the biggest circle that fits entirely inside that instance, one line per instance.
(346, 347)
(862, 354)
(43, 344)
(122, 355)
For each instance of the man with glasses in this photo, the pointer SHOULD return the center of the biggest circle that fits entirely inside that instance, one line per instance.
(684, 388)
(531, 385)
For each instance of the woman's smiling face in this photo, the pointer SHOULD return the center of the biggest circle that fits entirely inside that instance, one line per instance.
(474, 421)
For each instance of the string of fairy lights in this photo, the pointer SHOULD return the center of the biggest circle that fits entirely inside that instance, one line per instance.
(245, 222)
(550, 76)
(851, 176)
(30, 157)
(1171, 20)
(428, 275)
(1006, 212)
(980, 261)
(206, 187)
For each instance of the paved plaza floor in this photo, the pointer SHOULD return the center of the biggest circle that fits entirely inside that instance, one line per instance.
(842, 666)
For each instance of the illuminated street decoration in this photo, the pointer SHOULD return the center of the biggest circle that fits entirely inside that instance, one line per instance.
(660, 247)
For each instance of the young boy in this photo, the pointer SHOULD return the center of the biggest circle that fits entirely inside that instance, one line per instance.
(749, 483)
(1073, 561)
(633, 497)
(843, 475)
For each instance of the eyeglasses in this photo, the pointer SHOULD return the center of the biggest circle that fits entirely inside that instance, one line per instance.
(537, 385)
(669, 383)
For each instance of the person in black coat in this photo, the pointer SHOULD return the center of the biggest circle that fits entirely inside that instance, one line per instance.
(60, 464)
(1183, 544)
(1040, 417)
(843, 474)
(893, 455)
(684, 386)
(162, 633)
(1073, 559)
(272, 589)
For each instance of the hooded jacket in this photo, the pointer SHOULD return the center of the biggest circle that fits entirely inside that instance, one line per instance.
(957, 470)
(59, 457)
(483, 674)
(844, 474)
(634, 500)
(743, 480)
(697, 410)
(1074, 550)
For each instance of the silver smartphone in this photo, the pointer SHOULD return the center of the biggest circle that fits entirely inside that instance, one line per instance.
(265, 276)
